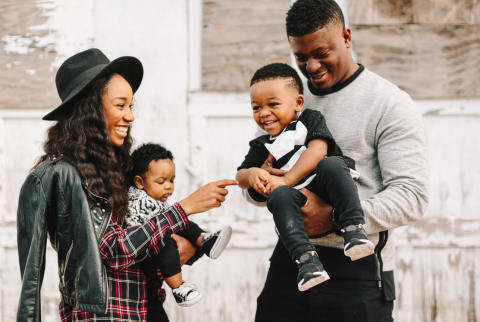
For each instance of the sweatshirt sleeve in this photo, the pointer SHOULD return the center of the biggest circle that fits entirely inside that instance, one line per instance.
(401, 146)
(123, 247)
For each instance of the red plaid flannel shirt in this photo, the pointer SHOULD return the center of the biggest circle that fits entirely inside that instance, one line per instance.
(121, 249)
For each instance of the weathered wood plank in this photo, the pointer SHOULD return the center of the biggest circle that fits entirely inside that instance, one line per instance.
(428, 61)
(23, 145)
(27, 79)
(238, 38)
(374, 12)
(437, 285)
(3, 170)
(453, 217)
(231, 298)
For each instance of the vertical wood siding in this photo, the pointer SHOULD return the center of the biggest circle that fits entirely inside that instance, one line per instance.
(238, 38)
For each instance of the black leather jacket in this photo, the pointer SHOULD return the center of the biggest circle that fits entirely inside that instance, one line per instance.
(54, 201)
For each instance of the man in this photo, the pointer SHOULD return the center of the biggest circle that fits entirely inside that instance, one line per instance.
(376, 124)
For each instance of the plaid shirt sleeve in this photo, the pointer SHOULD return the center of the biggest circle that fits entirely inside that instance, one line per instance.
(123, 247)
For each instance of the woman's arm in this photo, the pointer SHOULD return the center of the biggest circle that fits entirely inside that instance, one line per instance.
(121, 248)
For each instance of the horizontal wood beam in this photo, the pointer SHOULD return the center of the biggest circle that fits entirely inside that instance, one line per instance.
(428, 61)
(368, 12)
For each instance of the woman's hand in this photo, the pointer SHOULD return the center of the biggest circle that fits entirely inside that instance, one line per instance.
(207, 197)
(185, 248)
(316, 214)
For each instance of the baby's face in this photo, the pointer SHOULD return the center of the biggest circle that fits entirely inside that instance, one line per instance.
(275, 104)
(158, 181)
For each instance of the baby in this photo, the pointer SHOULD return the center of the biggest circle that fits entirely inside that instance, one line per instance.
(303, 150)
(152, 183)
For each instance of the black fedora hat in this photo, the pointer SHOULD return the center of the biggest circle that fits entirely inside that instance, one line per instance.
(80, 70)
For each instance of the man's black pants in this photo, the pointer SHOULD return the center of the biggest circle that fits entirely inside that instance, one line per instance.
(351, 295)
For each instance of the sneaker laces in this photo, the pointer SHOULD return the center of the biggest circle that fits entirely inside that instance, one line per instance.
(209, 236)
(184, 289)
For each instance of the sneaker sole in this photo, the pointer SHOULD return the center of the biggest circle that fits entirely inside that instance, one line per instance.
(221, 243)
(313, 282)
(191, 302)
(361, 250)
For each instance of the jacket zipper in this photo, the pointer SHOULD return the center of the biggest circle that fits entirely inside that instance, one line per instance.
(67, 258)
(378, 272)
(382, 240)
(93, 194)
(107, 290)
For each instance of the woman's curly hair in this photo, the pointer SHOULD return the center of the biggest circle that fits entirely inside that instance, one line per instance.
(81, 138)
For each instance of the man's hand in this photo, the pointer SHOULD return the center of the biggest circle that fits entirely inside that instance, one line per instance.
(316, 214)
(185, 248)
(207, 197)
(268, 166)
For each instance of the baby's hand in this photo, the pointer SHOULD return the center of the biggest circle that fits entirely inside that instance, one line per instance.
(258, 179)
(275, 182)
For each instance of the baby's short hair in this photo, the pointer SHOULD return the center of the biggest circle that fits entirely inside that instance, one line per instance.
(278, 70)
(307, 16)
(142, 157)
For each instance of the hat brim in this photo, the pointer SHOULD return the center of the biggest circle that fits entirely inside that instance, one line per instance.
(128, 67)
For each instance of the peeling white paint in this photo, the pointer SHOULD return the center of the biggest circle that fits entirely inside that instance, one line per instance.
(69, 26)
(30, 72)
(17, 45)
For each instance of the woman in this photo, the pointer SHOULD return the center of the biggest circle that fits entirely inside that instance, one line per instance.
(76, 194)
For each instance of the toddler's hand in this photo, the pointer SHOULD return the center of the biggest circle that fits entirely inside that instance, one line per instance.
(258, 179)
(268, 166)
(275, 182)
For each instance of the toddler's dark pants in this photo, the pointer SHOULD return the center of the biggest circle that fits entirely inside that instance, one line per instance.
(333, 184)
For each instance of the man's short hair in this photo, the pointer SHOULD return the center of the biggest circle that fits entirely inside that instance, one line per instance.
(307, 16)
(278, 70)
(142, 157)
